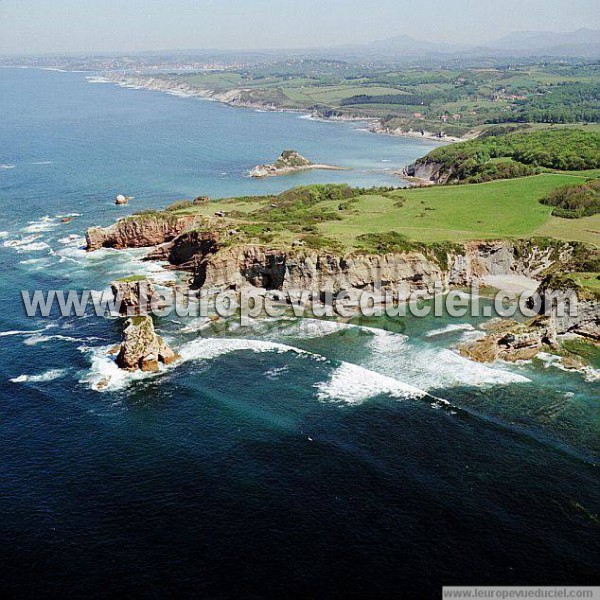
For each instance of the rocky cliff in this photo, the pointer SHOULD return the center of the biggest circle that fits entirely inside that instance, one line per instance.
(141, 231)
(277, 269)
(523, 257)
(220, 262)
(427, 171)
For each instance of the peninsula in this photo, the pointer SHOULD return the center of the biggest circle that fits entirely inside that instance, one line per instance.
(542, 226)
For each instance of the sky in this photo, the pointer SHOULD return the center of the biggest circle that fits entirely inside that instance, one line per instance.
(44, 26)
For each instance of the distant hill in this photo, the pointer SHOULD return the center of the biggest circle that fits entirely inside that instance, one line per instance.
(410, 45)
(544, 40)
(583, 42)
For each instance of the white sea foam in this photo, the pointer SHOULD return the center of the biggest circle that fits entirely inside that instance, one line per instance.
(206, 349)
(43, 224)
(353, 384)
(196, 325)
(43, 377)
(451, 328)
(20, 332)
(276, 372)
(20, 241)
(6, 167)
(348, 383)
(72, 240)
(43, 162)
(315, 328)
(34, 261)
(105, 375)
(431, 368)
(552, 360)
(42, 339)
(3, 234)
(548, 359)
(34, 247)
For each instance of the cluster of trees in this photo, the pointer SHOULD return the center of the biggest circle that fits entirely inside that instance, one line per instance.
(563, 103)
(574, 201)
(403, 99)
(298, 205)
(521, 154)
(410, 98)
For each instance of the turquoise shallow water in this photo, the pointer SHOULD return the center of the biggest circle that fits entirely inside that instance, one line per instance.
(252, 469)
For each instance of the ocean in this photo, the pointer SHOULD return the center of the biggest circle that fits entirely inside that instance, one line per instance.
(288, 457)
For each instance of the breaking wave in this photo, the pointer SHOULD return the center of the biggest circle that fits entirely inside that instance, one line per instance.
(451, 328)
(352, 384)
(47, 376)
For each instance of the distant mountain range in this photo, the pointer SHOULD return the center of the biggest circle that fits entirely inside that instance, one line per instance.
(545, 40)
(583, 42)
(409, 44)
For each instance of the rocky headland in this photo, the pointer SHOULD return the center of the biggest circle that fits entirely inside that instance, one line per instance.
(218, 258)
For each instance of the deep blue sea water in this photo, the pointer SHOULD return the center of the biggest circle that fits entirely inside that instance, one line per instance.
(249, 469)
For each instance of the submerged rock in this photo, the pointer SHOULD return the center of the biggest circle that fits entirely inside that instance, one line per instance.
(142, 348)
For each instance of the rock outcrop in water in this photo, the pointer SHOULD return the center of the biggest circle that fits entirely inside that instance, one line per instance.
(513, 341)
(121, 200)
(289, 161)
(142, 348)
(133, 294)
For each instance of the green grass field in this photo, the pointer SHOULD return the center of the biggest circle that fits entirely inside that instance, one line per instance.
(498, 209)
(588, 281)
(507, 208)
(333, 94)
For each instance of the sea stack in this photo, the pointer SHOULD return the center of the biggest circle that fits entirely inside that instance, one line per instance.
(141, 348)
(132, 294)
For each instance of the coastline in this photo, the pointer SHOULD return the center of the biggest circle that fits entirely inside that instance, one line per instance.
(234, 99)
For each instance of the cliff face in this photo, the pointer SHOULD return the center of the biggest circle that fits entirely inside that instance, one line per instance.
(216, 263)
(140, 231)
(505, 258)
(311, 270)
(584, 321)
(428, 171)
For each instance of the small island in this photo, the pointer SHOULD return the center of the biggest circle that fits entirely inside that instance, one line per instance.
(288, 162)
